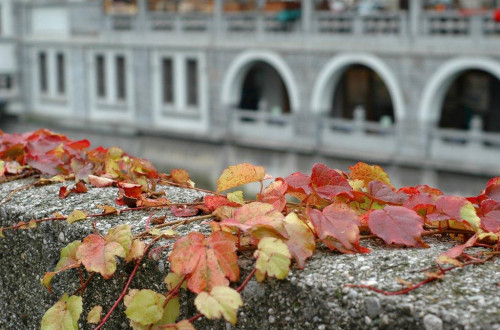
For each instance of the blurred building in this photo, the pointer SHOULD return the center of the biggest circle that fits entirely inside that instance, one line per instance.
(411, 82)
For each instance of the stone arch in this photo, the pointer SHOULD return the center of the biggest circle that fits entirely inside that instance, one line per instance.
(332, 72)
(439, 83)
(235, 75)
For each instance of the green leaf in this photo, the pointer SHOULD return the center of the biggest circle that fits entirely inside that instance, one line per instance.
(122, 235)
(221, 301)
(94, 315)
(273, 259)
(172, 280)
(146, 307)
(76, 215)
(236, 197)
(468, 213)
(67, 261)
(64, 314)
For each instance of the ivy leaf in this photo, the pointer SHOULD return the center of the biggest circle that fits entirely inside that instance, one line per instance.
(456, 208)
(274, 194)
(213, 202)
(64, 314)
(251, 217)
(298, 185)
(94, 315)
(238, 175)
(145, 307)
(328, 183)
(490, 215)
(367, 173)
(338, 227)
(397, 224)
(76, 215)
(98, 254)
(181, 176)
(136, 250)
(386, 194)
(184, 325)
(451, 255)
(120, 234)
(221, 301)
(99, 181)
(67, 261)
(492, 190)
(206, 262)
(184, 211)
(273, 259)
(301, 240)
(236, 197)
(172, 280)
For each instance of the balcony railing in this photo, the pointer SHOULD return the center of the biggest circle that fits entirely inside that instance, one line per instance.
(261, 125)
(385, 23)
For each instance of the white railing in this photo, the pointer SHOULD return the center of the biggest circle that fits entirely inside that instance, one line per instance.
(260, 125)
(256, 22)
(121, 22)
(468, 146)
(385, 23)
(186, 22)
(456, 23)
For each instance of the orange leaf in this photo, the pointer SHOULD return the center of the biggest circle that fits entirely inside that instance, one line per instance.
(98, 255)
(366, 173)
(240, 174)
(206, 262)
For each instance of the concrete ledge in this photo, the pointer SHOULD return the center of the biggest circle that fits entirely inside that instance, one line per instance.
(310, 299)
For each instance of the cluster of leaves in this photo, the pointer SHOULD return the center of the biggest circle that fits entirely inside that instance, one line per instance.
(331, 207)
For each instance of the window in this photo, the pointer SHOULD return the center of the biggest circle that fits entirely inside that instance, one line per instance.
(168, 80)
(61, 83)
(192, 82)
(101, 77)
(121, 82)
(5, 82)
(42, 65)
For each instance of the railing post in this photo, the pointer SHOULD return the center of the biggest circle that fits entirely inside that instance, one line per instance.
(142, 16)
(306, 15)
(178, 23)
(260, 24)
(475, 140)
(357, 25)
(475, 27)
(415, 13)
(359, 120)
(218, 12)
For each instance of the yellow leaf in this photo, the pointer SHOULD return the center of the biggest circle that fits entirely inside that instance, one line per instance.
(64, 314)
(172, 280)
(94, 315)
(76, 215)
(221, 301)
(366, 173)
(443, 259)
(236, 197)
(273, 259)
(32, 224)
(238, 175)
(1, 233)
(136, 250)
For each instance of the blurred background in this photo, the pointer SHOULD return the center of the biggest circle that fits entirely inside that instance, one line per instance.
(413, 86)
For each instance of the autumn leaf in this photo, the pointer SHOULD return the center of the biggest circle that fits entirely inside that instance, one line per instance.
(100, 182)
(456, 208)
(107, 209)
(145, 307)
(98, 253)
(168, 314)
(301, 240)
(274, 194)
(184, 325)
(238, 175)
(386, 194)
(206, 262)
(453, 253)
(221, 301)
(136, 250)
(94, 315)
(184, 211)
(213, 202)
(257, 216)
(273, 259)
(64, 314)
(298, 185)
(490, 215)
(397, 224)
(338, 227)
(67, 260)
(172, 280)
(328, 183)
(367, 173)
(76, 215)
(181, 176)
(492, 190)
(236, 197)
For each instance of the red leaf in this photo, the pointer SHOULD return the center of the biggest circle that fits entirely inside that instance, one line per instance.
(397, 224)
(456, 251)
(215, 201)
(64, 192)
(492, 190)
(79, 145)
(489, 212)
(382, 192)
(298, 185)
(184, 211)
(206, 262)
(338, 227)
(131, 190)
(328, 183)
(274, 194)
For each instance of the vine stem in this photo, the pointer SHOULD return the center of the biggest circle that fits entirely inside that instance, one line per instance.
(82, 288)
(176, 222)
(124, 292)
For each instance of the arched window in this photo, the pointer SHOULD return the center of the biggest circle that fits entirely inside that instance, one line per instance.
(359, 87)
(263, 89)
(473, 93)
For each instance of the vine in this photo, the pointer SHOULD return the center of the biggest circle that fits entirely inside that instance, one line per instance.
(333, 208)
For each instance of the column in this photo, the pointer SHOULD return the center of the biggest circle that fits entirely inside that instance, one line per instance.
(414, 15)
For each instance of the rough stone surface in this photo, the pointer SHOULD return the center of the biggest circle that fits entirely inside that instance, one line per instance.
(313, 298)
